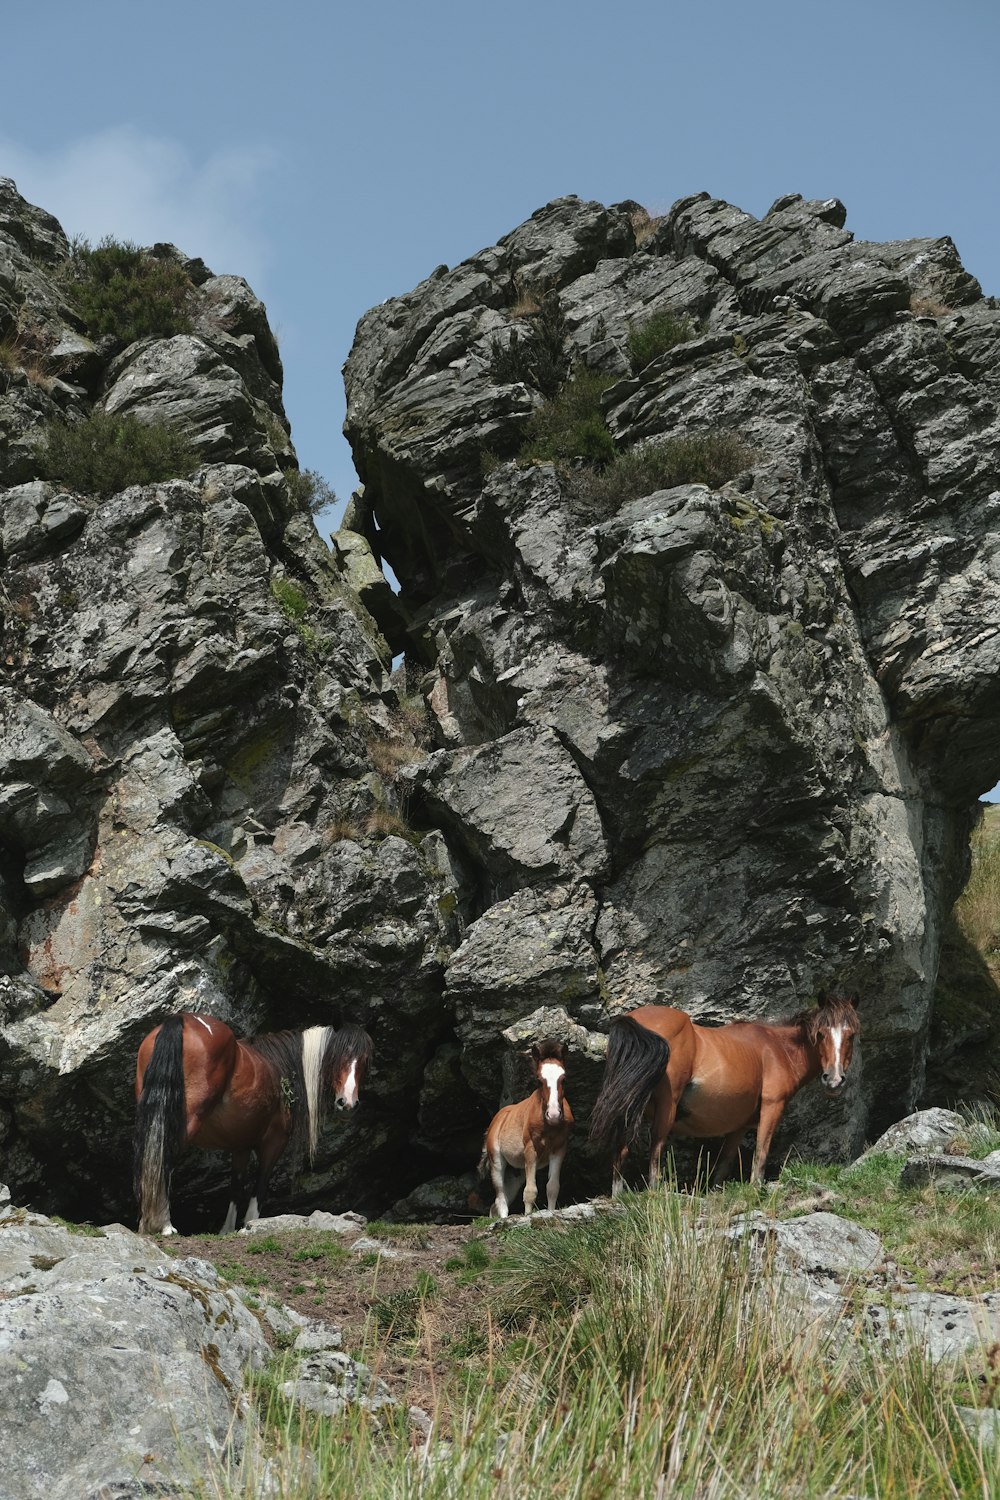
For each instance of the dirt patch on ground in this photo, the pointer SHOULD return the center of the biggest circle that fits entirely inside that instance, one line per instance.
(411, 1300)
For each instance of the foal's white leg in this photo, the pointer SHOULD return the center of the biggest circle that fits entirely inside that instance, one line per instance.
(530, 1183)
(500, 1208)
(230, 1223)
(552, 1186)
(253, 1212)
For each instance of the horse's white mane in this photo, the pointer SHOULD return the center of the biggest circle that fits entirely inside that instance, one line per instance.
(314, 1044)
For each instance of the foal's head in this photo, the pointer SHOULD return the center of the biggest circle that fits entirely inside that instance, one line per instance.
(349, 1059)
(832, 1028)
(550, 1070)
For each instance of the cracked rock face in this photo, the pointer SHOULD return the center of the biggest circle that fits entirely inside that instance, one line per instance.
(734, 736)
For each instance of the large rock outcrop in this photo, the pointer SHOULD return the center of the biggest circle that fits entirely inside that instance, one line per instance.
(733, 736)
(714, 744)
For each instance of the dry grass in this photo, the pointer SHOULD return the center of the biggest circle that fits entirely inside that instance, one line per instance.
(389, 756)
(978, 907)
(21, 352)
(383, 823)
(928, 307)
(644, 225)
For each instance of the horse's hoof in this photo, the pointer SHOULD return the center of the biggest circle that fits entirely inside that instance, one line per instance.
(168, 1229)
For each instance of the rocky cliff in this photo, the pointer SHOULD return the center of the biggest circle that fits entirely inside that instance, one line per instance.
(698, 734)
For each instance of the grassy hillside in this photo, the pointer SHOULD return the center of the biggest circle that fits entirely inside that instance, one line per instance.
(964, 1059)
(635, 1355)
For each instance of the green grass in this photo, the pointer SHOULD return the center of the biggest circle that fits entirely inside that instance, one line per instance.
(398, 1314)
(474, 1259)
(103, 454)
(648, 1360)
(942, 1241)
(242, 1275)
(264, 1244)
(321, 1248)
(417, 1235)
(119, 290)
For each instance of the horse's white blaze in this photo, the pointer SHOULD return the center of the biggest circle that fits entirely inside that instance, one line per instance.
(837, 1038)
(550, 1074)
(314, 1043)
(349, 1092)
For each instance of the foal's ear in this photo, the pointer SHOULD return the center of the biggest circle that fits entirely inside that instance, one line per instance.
(536, 1056)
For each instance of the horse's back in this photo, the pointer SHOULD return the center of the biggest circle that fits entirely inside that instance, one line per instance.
(208, 1046)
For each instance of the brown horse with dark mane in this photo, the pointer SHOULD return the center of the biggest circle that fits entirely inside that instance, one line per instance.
(197, 1085)
(523, 1137)
(706, 1081)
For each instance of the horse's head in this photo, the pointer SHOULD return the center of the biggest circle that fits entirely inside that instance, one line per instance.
(550, 1070)
(349, 1067)
(833, 1028)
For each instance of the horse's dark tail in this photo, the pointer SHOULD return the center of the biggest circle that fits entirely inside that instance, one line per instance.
(159, 1126)
(637, 1060)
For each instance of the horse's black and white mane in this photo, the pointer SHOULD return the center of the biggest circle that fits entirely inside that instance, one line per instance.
(307, 1063)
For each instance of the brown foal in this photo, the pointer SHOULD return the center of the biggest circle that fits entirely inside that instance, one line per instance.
(523, 1137)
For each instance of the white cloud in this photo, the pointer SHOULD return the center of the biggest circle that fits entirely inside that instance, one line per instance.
(145, 188)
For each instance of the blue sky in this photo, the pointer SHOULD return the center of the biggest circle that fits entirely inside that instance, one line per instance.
(335, 155)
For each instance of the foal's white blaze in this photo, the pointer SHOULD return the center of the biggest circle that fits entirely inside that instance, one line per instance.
(550, 1074)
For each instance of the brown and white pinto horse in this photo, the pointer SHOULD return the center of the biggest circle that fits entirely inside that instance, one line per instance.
(705, 1081)
(197, 1085)
(523, 1137)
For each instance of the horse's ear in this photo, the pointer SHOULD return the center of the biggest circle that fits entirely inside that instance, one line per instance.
(821, 999)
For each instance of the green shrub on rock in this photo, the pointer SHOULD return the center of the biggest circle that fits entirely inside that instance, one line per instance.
(571, 425)
(664, 330)
(104, 453)
(309, 490)
(120, 290)
(711, 458)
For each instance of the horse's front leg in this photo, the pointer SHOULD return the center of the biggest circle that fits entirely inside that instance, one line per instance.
(268, 1152)
(771, 1111)
(530, 1182)
(618, 1168)
(552, 1185)
(239, 1161)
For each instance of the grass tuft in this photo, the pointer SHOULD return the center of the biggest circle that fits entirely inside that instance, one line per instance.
(712, 458)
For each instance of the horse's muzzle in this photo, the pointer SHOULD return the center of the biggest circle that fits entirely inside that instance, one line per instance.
(834, 1085)
(342, 1104)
